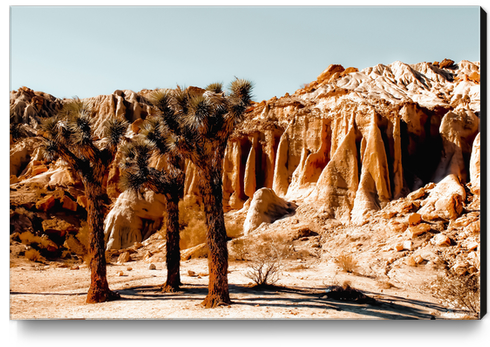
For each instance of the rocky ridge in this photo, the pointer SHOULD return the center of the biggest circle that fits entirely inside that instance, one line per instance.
(386, 157)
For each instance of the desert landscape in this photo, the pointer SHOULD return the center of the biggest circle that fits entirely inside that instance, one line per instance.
(355, 197)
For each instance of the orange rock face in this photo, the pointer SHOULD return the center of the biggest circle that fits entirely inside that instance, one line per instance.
(347, 144)
(46, 203)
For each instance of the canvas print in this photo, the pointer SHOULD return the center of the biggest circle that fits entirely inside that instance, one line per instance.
(316, 163)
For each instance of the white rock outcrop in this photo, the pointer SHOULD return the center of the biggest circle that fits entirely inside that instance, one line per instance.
(266, 207)
(133, 219)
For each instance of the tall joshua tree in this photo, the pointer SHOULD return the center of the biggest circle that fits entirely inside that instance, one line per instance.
(69, 135)
(168, 181)
(201, 122)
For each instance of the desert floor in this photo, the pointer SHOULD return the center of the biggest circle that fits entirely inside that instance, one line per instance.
(55, 290)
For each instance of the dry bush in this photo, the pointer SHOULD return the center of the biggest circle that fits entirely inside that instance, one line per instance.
(34, 255)
(234, 227)
(238, 250)
(345, 292)
(83, 234)
(347, 263)
(83, 237)
(266, 254)
(460, 292)
(192, 223)
(28, 238)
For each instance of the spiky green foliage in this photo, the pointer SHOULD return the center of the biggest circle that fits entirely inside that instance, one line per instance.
(114, 131)
(202, 121)
(69, 135)
(215, 87)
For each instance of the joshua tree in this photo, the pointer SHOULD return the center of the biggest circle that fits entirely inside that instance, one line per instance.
(199, 123)
(168, 181)
(69, 135)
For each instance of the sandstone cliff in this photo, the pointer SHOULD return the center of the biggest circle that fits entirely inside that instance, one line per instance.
(346, 144)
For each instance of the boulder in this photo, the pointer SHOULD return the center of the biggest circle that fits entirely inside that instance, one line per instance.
(458, 129)
(446, 63)
(441, 240)
(445, 201)
(475, 166)
(68, 203)
(46, 203)
(418, 259)
(36, 170)
(82, 201)
(124, 258)
(266, 207)
(74, 245)
(407, 245)
(417, 230)
(133, 218)
(414, 219)
(199, 251)
(57, 226)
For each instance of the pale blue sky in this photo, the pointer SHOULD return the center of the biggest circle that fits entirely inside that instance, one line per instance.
(88, 51)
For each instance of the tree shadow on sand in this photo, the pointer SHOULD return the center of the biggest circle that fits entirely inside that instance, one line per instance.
(368, 304)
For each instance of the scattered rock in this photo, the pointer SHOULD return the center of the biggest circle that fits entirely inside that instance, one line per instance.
(199, 251)
(82, 201)
(441, 240)
(414, 219)
(410, 261)
(418, 259)
(460, 268)
(152, 267)
(57, 226)
(445, 201)
(407, 245)
(473, 228)
(46, 203)
(68, 203)
(398, 227)
(124, 258)
(266, 207)
(399, 247)
(74, 245)
(417, 230)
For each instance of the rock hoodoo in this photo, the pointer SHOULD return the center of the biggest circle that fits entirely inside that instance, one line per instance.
(346, 144)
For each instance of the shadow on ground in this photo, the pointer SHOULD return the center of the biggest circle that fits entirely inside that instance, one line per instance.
(378, 305)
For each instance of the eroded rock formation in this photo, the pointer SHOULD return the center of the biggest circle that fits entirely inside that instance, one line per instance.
(346, 144)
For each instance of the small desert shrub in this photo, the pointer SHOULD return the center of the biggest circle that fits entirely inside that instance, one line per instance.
(462, 292)
(347, 263)
(29, 239)
(234, 227)
(238, 250)
(83, 234)
(266, 254)
(34, 255)
(345, 292)
(192, 223)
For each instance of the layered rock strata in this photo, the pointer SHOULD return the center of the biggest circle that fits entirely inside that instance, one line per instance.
(348, 143)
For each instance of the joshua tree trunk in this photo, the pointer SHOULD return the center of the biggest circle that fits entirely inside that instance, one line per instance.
(212, 194)
(99, 288)
(173, 248)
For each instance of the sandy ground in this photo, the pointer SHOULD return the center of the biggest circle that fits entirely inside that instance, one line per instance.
(55, 291)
